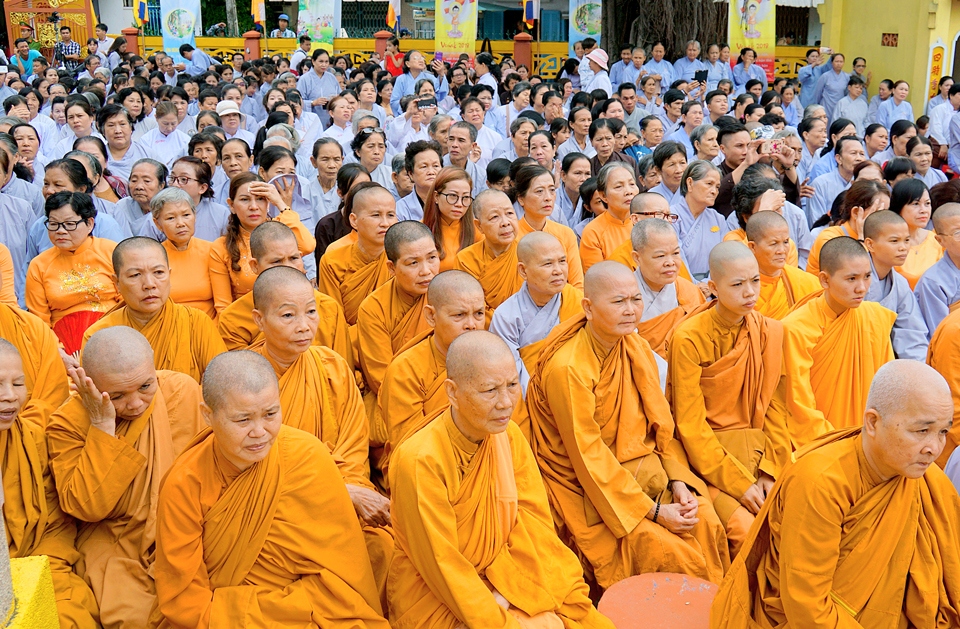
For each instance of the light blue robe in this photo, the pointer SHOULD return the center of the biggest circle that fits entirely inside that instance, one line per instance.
(210, 223)
(825, 190)
(698, 236)
(909, 335)
(937, 290)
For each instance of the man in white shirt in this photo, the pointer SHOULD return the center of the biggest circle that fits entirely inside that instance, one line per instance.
(302, 52)
(102, 40)
(940, 120)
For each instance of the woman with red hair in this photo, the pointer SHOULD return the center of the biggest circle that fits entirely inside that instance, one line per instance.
(447, 214)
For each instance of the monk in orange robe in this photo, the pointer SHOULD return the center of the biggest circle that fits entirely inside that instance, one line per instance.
(274, 244)
(319, 395)
(753, 196)
(727, 392)
(412, 394)
(617, 479)
(35, 523)
(782, 285)
(861, 530)
(393, 314)
(834, 342)
(943, 356)
(537, 219)
(255, 526)
(644, 206)
(493, 260)
(615, 191)
(110, 446)
(475, 539)
(44, 371)
(354, 266)
(183, 339)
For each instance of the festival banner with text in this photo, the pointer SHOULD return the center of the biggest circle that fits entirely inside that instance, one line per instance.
(456, 29)
(320, 20)
(585, 16)
(178, 20)
(753, 24)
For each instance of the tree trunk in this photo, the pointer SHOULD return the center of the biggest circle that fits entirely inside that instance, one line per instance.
(233, 27)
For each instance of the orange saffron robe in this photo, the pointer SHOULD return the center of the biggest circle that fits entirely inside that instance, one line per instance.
(921, 257)
(230, 284)
(37, 526)
(275, 545)
(778, 295)
(603, 437)
(60, 283)
(740, 235)
(450, 234)
(859, 551)
(238, 330)
(498, 275)
(388, 320)
(471, 519)
(8, 293)
(944, 356)
(726, 390)
(568, 239)
(347, 275)
(624, 255)
(183, 339)
(190, 275)
(830, 361)
(658, 330)
(110, 485)
(828, 233)
(601, 237)
(46, 376)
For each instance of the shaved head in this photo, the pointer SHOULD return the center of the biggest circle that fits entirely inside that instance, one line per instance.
(8, 349)
(725, 255)
(235, 372)
(485, 199)
(534, 244)
(646, 202)
(471, 354)
(137, 243)
(761, 223)
(273, 281)
(602, 275)
(115, 350)
(371, 198)
(879, 221)
(838, 251)
(899, 384)
(944, 212)
(404, 233)
(450, 286)
(643, 231)
(266, 234)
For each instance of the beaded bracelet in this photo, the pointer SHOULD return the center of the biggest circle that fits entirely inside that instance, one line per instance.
(656, 513)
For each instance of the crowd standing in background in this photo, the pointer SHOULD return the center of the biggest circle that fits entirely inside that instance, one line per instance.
(299, 342)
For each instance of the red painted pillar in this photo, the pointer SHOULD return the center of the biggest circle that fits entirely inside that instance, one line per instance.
(381, 37)
(251, 45)
(523, 50)
(132, 35)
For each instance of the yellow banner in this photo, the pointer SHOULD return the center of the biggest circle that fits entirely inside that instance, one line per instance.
(456, 29)
(937, 53)
(753, 24)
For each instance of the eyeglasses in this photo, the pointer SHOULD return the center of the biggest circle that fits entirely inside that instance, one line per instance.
(70, 226)
(369, 130)
(180, 181)
(664, 216)
(453, 197)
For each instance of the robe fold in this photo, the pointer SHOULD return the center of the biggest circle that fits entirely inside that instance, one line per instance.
(8, 288)
(275, 545)
(183, 339)
(110, 484)
(859, 551)
(726, 390)
(37, 526)
(190, 275)
(348, 275)
(603, 438)
(830, 361)
(46, 376)
(238, 330)
(944, 356)
(778, 295)
(660, 318)
(388, 319)
(498, 275)
(473, 522)
(601, 237)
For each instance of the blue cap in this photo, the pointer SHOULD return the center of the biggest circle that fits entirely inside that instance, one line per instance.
(284, 16)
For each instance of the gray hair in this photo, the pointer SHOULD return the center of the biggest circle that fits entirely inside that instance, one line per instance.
(169, 195)
(520, 88)
(359, 116)
(787, 132)
(399, 163)
(604, 173)
(278, 140)
(696, 170)
(91, 159)
(286, 76)
(692, 41)
(8, 142)
(809, 110)
(641, 232)
(515, 124)
(287, 131)
(472, 130)
(697, 134)
(435, 123)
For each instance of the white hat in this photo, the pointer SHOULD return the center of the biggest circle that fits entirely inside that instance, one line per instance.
(225, 107)
(599, 57)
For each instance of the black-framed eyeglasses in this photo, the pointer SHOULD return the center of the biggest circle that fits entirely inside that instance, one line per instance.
(664, 216)
(70, 226)
(180, 181)
(453, 197)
